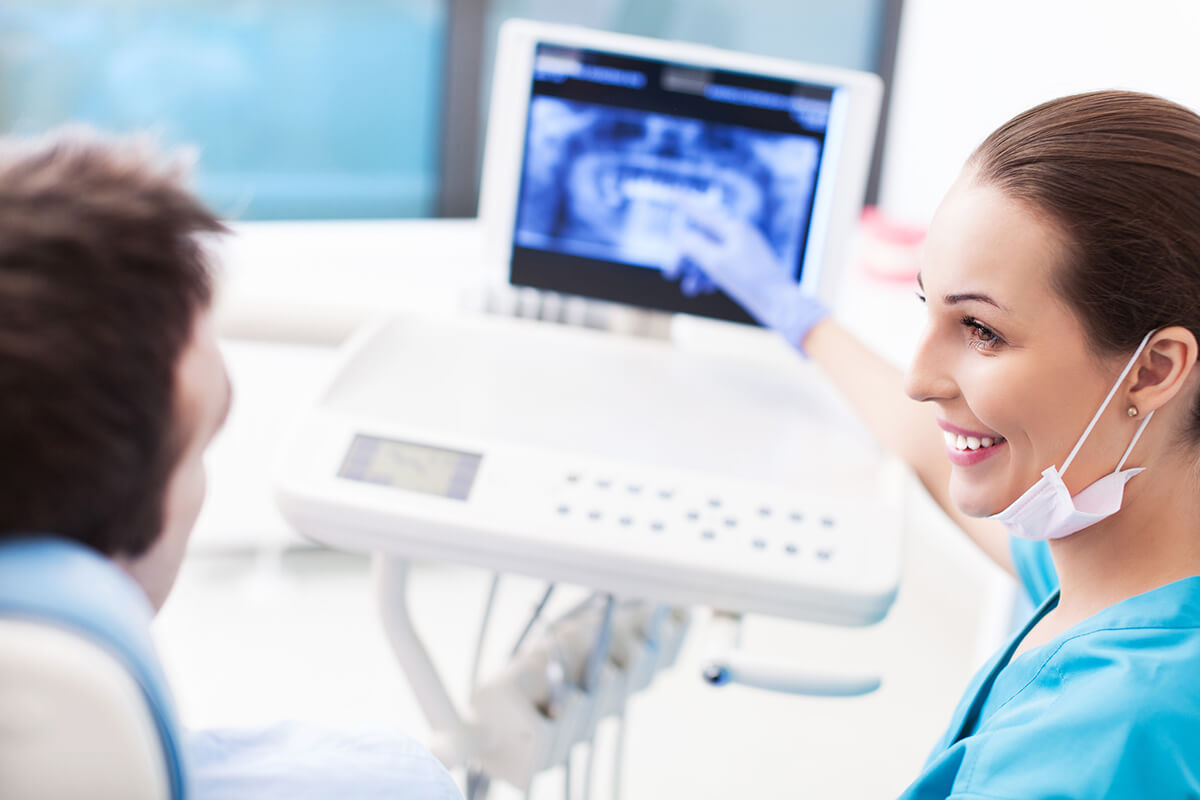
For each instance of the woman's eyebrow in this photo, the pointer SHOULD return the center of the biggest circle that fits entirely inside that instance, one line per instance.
(951, 299)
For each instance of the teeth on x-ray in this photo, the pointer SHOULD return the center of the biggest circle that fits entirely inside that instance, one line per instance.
(616, 184)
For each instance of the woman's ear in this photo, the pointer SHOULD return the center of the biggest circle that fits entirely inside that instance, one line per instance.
(1163, 368)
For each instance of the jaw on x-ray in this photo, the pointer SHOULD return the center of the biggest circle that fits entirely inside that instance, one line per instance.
(615, 184)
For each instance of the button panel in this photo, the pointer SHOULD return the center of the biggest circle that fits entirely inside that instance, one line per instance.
(779, 526)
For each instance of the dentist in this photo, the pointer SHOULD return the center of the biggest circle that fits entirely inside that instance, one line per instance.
(1053, 410)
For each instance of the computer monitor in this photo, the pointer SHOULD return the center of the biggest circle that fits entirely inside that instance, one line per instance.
(598, 144)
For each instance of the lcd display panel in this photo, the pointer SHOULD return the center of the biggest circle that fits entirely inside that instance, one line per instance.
(411, 467)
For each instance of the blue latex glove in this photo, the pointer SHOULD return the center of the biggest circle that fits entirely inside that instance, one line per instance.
(716, 250)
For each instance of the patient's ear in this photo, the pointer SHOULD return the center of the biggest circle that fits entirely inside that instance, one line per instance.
(203, 399)
(1163, 369)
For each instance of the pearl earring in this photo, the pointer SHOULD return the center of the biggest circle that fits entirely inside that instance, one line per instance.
(1133, 412)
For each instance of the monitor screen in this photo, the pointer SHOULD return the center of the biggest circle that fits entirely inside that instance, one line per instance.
(618, 147)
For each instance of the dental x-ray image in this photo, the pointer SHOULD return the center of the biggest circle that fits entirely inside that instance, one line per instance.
(616, 184)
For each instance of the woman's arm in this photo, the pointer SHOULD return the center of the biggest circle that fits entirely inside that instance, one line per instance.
(734, 255)
(875, 390)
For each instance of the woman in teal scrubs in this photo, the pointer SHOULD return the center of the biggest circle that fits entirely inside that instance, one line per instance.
(1061, 276)
(1108, 708)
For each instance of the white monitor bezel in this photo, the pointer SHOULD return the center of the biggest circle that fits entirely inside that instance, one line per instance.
(844, 166)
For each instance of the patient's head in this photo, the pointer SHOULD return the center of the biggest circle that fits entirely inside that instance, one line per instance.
(111, 384)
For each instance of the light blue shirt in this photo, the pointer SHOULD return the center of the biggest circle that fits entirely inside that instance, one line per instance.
(1110, 708)
(295, 761)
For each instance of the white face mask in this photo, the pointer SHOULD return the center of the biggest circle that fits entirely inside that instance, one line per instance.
(1047, 511)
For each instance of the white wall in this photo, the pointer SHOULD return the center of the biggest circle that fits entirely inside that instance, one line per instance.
(966, 66)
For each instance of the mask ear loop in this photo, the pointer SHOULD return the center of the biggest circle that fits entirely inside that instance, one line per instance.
(1116, 385)
(1136, 436)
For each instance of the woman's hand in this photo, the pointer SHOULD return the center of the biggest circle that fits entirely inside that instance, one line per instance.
(716, 250)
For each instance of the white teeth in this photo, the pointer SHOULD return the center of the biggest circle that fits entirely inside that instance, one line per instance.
(965, 443)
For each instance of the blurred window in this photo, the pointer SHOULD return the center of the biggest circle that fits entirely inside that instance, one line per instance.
(304, 109)
(328, 109)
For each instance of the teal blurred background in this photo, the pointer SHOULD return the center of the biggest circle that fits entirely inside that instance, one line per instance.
(335, 109)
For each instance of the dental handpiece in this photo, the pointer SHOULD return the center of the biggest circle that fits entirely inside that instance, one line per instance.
(786, 678)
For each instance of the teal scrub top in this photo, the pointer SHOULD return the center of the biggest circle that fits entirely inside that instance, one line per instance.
(1110, 708)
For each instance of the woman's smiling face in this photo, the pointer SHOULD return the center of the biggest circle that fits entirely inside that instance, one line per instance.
(1003, 358)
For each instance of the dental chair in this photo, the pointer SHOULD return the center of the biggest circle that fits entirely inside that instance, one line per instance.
(84, 707)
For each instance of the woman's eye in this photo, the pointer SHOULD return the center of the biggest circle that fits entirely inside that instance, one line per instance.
(981, 336)
(920, 296)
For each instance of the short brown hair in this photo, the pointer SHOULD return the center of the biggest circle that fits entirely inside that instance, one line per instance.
(101, 278)
(1119, 174)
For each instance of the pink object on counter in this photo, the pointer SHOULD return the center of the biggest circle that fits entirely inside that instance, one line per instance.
(889, 249)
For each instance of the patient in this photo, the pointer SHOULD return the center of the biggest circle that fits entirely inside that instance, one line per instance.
(111, 388)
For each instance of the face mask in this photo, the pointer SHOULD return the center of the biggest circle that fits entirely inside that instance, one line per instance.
(1047, 511)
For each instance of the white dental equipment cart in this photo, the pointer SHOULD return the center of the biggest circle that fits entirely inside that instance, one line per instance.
(625, 465)
(617, 463)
